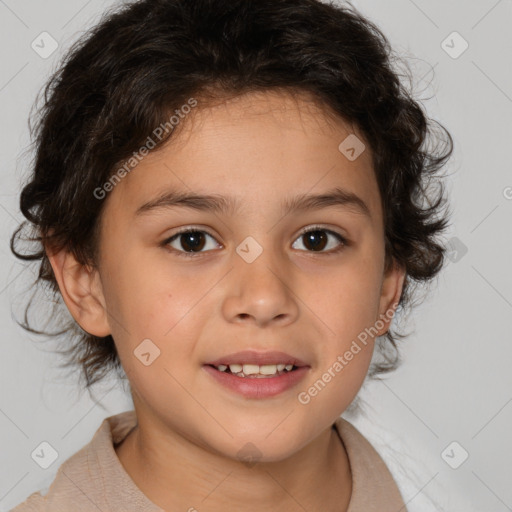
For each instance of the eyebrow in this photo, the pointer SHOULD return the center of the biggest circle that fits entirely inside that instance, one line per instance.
(336, 197)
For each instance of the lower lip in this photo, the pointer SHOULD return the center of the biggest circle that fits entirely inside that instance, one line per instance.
(254, 387)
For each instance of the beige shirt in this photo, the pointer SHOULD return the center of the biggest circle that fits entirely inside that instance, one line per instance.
(94, 480)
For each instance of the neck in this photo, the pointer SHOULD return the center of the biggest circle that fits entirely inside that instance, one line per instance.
(177, 474)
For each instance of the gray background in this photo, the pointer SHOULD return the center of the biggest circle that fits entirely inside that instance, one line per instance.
(455, 383)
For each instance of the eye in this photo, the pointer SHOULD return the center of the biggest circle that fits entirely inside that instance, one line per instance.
(190, 242)
(317, 238)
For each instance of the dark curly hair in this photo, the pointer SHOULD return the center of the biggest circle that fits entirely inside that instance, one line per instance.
(147, 58)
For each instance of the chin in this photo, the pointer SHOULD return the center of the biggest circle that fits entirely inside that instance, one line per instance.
(259, 449)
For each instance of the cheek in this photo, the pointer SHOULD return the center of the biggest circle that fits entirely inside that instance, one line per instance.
(156, 315)
(347, 302)
(346, 309)
(335, 383)
(147, 297)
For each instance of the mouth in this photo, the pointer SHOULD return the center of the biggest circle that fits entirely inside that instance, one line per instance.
(258, 374)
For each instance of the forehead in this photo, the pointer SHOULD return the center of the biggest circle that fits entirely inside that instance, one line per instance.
(257, 147)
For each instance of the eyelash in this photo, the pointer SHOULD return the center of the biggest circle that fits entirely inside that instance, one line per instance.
(342, 239)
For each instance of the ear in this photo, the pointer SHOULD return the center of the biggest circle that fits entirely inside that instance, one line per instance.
(391, 291)
(81, 291)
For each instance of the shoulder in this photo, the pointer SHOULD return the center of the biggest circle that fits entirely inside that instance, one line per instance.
(93, 478)
(34, 503)
(373, 486)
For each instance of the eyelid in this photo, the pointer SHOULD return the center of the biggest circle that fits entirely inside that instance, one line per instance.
(189, 228)
(319, 227)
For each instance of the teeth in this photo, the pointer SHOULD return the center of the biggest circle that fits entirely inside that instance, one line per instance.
(267, 369)
(244, 370)
(250, 369)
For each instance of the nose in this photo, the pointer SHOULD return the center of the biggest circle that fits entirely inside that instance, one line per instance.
(261, 292)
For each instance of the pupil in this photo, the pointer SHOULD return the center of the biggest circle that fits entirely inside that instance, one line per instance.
(316, 239)
(193, 240)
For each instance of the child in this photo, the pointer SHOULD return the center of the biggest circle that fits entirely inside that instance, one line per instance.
(230, 197)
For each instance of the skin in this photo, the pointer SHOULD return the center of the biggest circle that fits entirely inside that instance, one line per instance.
(261, 148)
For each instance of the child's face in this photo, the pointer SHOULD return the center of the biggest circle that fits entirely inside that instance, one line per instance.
(261, 151)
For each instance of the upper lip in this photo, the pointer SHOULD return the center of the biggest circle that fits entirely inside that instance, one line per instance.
(259, 358)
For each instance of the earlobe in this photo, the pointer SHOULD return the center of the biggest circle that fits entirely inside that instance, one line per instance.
(391, 291)
(81, 291)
